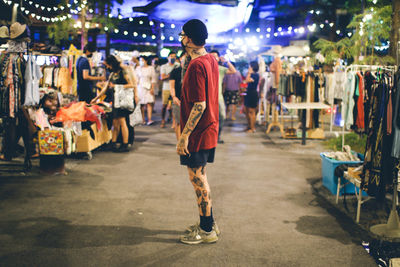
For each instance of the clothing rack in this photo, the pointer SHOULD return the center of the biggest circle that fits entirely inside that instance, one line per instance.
(25, 121)
(391, 229)
(356, 67)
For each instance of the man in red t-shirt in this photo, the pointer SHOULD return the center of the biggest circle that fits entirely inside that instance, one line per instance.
(199, 125)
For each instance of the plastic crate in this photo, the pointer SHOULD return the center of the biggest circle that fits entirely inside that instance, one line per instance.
(330, 181)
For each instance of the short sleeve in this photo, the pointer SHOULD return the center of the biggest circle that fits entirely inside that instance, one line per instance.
(85, 64)
(175, 74)
(163, 70)
(197, 83)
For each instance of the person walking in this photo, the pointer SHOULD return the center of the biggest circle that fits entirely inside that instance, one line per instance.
(85, 88)
(165, 75)
(175, 85)
(199, 126)
(224, 67)
(118, 76)
(146, 82)
(231, 86)
(251, 97)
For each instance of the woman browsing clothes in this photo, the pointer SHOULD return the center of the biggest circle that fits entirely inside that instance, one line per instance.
(118, 76)
(251, 97)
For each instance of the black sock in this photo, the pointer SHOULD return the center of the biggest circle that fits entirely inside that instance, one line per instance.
(206, 222)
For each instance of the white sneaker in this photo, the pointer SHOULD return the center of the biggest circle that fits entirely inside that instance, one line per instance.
(197, 225)
(198, 236)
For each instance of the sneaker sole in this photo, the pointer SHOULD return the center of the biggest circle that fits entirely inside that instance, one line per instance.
(207, 241)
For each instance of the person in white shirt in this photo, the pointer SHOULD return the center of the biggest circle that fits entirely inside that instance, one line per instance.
(147, 79)
(165, 71)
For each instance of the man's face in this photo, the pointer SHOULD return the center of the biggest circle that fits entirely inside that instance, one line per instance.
(89, 54)
(172, 56)
(184, 39)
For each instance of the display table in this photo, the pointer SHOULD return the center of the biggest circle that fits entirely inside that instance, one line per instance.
(85, 143)
(316, 133)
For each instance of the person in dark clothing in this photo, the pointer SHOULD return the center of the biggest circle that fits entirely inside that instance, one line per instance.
(85, 80)
(118, 76)
(251, 97)
(175, 85)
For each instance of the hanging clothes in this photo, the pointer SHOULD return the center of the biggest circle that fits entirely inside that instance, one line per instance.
(396, 119)
(348, 101)
(360, 121)
(379, 166)
(33, 74)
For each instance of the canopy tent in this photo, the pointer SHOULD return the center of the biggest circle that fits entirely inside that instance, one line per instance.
(288, 51)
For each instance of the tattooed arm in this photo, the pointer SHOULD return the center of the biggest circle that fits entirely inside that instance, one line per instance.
(194, 118)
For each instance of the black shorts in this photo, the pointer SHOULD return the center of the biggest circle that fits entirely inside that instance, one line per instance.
(198, 159)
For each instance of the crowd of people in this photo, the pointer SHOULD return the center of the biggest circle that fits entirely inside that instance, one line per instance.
(149, 79)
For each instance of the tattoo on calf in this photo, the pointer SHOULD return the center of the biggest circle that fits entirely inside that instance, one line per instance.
(197, 181)
(203, 170)
(203, 206)
(198, 193)
(204, 193)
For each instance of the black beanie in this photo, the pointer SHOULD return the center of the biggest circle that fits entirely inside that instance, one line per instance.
(196, 30)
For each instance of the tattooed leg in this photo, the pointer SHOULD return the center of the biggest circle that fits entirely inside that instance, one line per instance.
(199, 181)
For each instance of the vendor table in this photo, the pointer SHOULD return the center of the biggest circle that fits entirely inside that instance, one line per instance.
(304, 107)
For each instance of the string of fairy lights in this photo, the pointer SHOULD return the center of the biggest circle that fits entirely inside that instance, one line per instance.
(75, 7)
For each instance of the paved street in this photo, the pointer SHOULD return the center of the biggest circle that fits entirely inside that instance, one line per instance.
(129, 209)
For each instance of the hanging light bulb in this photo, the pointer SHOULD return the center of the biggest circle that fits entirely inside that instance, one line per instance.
(268, 35)
(172, 26)
(125, 32)
(338, 32)
(120, 16)
(321, 26)
(153, 37)
(236, 30)
(162, 25)
(141, 22)
(279, 29)
(302, 30)
(258, 30)
(55, 8)
(331, 24)
(151, 23)
(144, 35)
(171, 38)
(135, 34)
(49, 9)
(106, 28)
(269, 30)
(349, 34)
(276, 34)
(290, 28)
(116, 30)
(247, 30)
(163, 37)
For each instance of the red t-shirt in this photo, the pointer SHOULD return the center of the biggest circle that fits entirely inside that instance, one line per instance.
(201, 84)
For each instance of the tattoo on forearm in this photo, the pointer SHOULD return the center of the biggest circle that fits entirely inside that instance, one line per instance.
(194, 117)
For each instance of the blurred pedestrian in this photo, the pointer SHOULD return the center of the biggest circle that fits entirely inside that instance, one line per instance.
(231, 87)
(224, 67)
(146, 82)
(251, 97)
